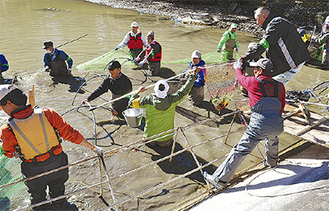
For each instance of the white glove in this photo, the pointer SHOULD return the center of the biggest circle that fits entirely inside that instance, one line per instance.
(142, 62)
(237, 48)
(237, 65)
(137, 59)
(69, 70)
(313, 37)
(99, 151)
(47, 69)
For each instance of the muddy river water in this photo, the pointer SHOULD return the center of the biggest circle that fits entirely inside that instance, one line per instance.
(26, 24)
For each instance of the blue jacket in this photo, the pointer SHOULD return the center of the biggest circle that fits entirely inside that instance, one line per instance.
(3, 63)
(57, 53)
(200, 76)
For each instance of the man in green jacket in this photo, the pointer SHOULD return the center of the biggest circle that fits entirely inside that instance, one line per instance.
(160, 109)
(229, 42)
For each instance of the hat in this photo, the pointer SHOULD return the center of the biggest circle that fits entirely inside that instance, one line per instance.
(265, 64)
(5, 89)
(196, 54)
(150, 34)
(48, 44)
(161, 93)
(134, 24)
(113, 65)
(234, 26)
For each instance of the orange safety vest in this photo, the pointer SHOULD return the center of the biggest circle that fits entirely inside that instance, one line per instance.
(34, 143)
(135, 42)
(157, 56)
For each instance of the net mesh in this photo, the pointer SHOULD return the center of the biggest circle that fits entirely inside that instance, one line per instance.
(100, 63)
(10, 171)
(221, 84)
(210, 58)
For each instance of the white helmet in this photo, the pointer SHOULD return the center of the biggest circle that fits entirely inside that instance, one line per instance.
(134, 24)
(5, 89)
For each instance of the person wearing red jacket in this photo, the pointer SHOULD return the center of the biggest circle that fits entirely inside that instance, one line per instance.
(152, 53)
(34, 135)
(267, 101)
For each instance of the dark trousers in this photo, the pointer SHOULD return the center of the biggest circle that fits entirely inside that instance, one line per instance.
(55, 181)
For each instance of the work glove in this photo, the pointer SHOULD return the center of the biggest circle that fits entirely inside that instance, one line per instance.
(142, 63)
(237, 48)
(136, 60)
(218, 50)
(314, 37)
(47, 69)
(99, 151)
(69, 70)
(117, 48)
(237, 65)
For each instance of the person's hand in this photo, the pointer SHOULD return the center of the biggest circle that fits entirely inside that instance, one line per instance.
(117, 48)
(197, 69)
(99, 151)
(314, 38)
(237, 48)
(136, 60)
(237, 65)
(218, 50)
(114, 112)
(141, 89)
(142, 62)
(85, 101)
(69, 70)
(47, 69)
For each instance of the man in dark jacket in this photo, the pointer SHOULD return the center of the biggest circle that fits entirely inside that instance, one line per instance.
(283, 45)
(55, 60)
(119, 84)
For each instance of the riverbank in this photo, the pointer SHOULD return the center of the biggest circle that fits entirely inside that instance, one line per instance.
(226, 13)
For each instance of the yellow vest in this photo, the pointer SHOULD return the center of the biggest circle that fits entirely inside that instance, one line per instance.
(34, 135)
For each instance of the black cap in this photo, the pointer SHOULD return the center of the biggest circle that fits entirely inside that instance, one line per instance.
(113, 65)
(48, 44)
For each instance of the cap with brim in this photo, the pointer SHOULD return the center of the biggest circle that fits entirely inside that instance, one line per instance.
(134, 24)
(113, 65)
(265, 64)
(6, 89)
(161, 94)
(47, 44)
(234, 26)
(196, 54)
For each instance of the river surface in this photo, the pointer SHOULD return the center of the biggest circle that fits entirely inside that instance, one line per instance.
(26, 24)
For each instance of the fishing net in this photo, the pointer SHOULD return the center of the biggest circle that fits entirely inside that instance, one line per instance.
(10, 171)
(221, 84)
(210, 58)
(100, 63)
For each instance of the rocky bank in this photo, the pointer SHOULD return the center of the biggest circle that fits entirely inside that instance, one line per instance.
(226, 12)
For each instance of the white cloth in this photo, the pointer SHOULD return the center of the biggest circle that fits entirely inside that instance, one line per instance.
(163, 93)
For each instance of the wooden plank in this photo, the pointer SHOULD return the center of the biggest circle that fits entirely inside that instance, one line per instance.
(316, 132)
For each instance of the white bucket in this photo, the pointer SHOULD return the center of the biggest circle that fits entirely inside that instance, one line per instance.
(133, 116)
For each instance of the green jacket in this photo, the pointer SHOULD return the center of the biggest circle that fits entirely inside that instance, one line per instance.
(160, 113)
(228, 35)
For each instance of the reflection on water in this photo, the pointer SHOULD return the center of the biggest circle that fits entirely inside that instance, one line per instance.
(26, 24)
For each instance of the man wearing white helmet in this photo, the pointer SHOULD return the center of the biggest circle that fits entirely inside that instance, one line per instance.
(160, 109)
(229, 41)
(134, 39)
(34, 136)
